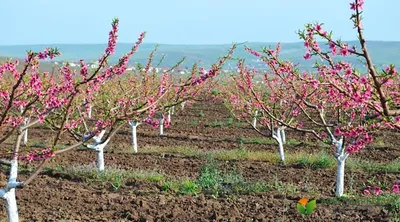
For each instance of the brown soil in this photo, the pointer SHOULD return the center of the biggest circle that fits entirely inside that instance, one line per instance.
(57, 197)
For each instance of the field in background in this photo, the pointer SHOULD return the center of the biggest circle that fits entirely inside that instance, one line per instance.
(383, 53)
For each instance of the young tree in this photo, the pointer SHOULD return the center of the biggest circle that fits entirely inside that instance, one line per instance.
(136, 98)
(239, 96)
(337, 101)
(43, 97)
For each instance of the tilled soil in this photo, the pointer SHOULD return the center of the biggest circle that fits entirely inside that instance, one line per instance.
(205, 126)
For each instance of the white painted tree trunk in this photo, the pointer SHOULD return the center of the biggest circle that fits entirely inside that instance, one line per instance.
(277, 135)
(100, 159)
(341, 157)
(183, 105)
(26, 122)
(340, 178)
(134, 126)
(254, 123)
(161, 127)
(99, 148)
(11, 204)
(283, 136)
(169, 115)
(8, 193)
(173, 110)
(90, 112)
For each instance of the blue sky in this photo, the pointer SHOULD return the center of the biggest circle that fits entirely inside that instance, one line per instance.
(187, 21)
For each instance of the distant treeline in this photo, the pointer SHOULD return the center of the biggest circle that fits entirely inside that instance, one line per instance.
(383, 53)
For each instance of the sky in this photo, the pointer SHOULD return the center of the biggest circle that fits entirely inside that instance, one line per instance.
(188, 21)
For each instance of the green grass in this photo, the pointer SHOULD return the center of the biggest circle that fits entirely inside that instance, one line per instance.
(370, 166)
(201, 114)
(302, 158)
(213, 181)
(317, 160)
(321, 160)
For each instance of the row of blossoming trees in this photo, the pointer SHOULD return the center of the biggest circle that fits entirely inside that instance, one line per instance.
(337, 104)
(89, 105)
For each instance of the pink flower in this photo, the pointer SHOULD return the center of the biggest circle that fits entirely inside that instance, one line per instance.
(366, 192)
(344, 51)
(318, 27)
(396, 189)
(307, 56)
(357, 4)
(377, 191)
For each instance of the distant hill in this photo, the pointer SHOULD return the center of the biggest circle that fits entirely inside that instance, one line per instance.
(383, 53)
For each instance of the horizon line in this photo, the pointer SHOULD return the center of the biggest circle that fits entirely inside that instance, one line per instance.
(187, 44)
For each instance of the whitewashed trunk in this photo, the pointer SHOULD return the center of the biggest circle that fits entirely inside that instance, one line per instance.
(281, 151)
(8, 193)
(11, 204)
(277, 135)
(340, 178)
(283, 136)
(161, 127)
(254, 123)
(173, 110)
(134, 126)
(99, 148)
(169, 115)
(100, 159)
(25, 138)
(341, 157)
(183, 105)
(90, 112)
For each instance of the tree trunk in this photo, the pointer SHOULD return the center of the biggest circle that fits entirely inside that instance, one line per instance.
(277, 135)
(283, 136)
(134, 125)
(254, 123)
(99, 148)
(340, 178)
(169, 115)
(11, 204)
(100, 159)
(26, 122)
(161, 127)
(341, 156)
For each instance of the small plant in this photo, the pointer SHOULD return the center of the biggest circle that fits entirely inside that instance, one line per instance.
(117, 182)
(201, 114)
(194, 123)
(188, 187)
(230, 121)
(210, 177)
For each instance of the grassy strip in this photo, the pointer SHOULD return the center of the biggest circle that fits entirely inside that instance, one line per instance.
(210, 180)
(310, 160)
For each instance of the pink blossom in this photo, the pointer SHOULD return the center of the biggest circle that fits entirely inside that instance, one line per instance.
(366, 192)
(396, 189)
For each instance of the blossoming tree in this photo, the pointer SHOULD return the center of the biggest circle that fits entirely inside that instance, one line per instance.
(338, 104)
(49, 98)
(134, 98)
